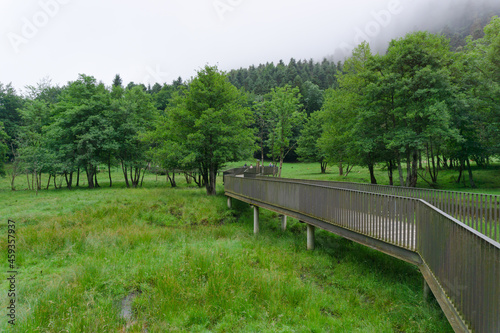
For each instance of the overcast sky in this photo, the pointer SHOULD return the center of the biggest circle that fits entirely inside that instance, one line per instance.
(152, 41)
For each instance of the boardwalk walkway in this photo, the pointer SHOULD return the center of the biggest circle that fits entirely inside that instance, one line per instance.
(460, 264)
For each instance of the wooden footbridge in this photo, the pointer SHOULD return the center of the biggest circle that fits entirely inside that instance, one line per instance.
(452, 237)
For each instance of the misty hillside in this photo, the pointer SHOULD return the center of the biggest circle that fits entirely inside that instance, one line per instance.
(468, 22)
(463, 19)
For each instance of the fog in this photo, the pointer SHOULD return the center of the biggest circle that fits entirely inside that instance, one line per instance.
(157, 41)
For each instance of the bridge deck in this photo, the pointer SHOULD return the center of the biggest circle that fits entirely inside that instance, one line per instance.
(461, 265)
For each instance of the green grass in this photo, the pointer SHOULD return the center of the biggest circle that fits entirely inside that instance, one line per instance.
(195, 266)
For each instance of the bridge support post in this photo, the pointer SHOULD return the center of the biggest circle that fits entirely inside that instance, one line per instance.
(310, 236)
(426, 290)
(283, 222)
(229, 203)
(255, 220)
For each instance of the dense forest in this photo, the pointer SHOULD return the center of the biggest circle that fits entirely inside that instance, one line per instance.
(430, 102)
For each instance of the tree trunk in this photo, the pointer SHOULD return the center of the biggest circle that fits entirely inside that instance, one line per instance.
(12, 187)
(461, 168)
(132, 176)
(469, 169)
(282, 152)
(389, 173)
(36, 183)
(96, 184)
(55, 182)
(69, 182)
(324, 164)
(39, 180)
(400, 171)
(143, 174)
(210, 186)
(13, 177)
(408, 167)
(48, 183)
(262, 148)
(414, 169)
(434, 168)
(124, 169)
(89, 170)
(172, 179)
(372, 173)
(204, 176)
(109, 172)
(78, 177)
(341, 169)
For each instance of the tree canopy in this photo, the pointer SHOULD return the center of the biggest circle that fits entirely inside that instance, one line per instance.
(208, 125)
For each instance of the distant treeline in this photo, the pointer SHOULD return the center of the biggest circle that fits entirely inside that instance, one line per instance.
(422, 103)
(262, 79)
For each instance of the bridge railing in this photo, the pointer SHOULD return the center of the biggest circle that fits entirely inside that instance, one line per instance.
(478, 211)
(464, 264)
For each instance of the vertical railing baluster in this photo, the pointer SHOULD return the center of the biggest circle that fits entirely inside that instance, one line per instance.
(476, 210)
(497, 219)
(468, 204)
(488, 219)
(481, 214)
(461, 207)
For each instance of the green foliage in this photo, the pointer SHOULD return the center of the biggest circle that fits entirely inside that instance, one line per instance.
(341, 109)
(283, 115)
(10, 102)
(208, 125)
(420, 105)
(265, 77)
(312, 97)
(3, 149)
(32, 144)
(133, 115)
(404, 106)
(81, 131)
(308, 148)
(481, 66)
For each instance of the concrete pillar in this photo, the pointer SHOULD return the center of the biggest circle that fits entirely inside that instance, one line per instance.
(283, 222)
(229, 203)
(310, 236)
(255, 220)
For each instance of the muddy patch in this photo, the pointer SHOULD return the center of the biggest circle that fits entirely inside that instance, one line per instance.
(127, 313)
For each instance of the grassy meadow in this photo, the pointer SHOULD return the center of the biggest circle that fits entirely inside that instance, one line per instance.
(161, 259)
